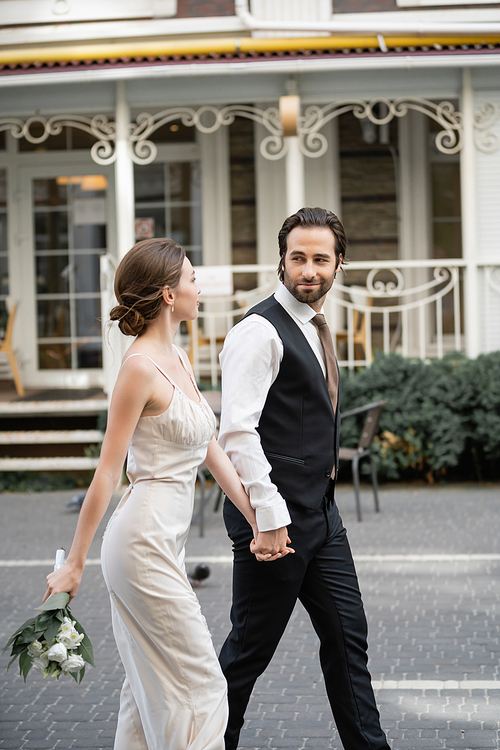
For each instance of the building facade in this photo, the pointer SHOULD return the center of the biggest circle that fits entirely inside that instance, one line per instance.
(210, 122)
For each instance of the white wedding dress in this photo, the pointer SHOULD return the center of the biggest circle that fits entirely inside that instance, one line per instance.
(174, 693)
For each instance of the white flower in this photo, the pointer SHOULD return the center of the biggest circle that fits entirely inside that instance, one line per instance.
(68, 635)
(40, 663)
(72, 641)
(73, 663)
(35, 649)
(66, 629)
(57, 652)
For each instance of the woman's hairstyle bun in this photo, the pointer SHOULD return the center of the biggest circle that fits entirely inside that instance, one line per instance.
(130, 321)
(140, 279)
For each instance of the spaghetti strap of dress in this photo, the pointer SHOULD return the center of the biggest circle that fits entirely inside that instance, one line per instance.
(140, 354)
(174, 385)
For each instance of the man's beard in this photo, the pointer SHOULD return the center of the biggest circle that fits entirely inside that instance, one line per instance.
(304, 295)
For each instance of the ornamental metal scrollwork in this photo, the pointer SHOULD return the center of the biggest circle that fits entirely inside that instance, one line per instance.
(206, 119)
(102, 151)
(443, 281)
(380, 112)
(484, 120)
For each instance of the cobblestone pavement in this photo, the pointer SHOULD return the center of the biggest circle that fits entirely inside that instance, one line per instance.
(429, 569)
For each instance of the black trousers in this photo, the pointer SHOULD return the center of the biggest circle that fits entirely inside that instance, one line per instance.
(321, 575)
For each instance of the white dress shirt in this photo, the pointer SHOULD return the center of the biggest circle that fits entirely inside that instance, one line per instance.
(250, 362)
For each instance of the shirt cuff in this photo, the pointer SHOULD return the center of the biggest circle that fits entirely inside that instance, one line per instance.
(271, 518)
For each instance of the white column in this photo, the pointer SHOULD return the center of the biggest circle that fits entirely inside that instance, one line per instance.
(215, 197)
(294, 176)
(114, 343)
(124, 176)
(216, 215)
(271, 206)
(469, 220)
(414, 222)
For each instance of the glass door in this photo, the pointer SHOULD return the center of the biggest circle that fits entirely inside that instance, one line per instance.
(68, 234)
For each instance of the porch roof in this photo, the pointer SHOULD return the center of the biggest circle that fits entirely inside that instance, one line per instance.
(57, 59)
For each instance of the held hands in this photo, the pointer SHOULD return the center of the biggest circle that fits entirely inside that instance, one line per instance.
(268, 546)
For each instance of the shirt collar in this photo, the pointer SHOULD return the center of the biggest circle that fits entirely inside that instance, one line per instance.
(301, 311)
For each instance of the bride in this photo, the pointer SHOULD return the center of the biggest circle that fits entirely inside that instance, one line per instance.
(174, 693)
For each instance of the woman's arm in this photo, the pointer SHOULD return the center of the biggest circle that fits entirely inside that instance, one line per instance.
(226, 477)
(132, 392)
(228, 480)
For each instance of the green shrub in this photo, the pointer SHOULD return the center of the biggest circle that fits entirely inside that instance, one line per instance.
(442, 418)
(32, 481)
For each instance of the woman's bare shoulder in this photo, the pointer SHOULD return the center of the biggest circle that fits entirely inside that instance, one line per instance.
(137, 362)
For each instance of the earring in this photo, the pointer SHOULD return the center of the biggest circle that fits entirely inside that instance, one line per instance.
(172, 307)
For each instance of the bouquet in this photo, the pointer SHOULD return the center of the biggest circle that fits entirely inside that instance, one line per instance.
(53, 642)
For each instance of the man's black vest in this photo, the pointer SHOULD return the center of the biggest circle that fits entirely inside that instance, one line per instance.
(297, 427)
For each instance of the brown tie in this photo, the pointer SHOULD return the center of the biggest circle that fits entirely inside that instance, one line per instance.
(332, 373)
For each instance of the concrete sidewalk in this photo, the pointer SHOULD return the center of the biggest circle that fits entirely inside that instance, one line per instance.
(429, 569)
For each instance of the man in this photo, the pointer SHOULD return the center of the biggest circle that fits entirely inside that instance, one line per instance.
(280, 427)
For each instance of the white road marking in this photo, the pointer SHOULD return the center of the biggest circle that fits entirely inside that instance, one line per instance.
(225, 559)
(436, 684)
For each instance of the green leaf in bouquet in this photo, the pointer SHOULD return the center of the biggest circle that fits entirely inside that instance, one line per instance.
(56, 601)
(27, 636)
(39, 634)
(85, 648)
(17, 648)
(12, 661)
(78, 676)
(44, 616)
(52, 630)
(24, 664)
(12, 638)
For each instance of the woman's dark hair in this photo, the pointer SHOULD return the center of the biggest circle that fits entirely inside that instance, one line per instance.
(309, 218)
(140, 279)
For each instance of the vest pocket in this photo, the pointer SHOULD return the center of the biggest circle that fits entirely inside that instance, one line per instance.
(289, 459)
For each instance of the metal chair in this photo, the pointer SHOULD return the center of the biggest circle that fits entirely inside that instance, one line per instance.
(364, 449)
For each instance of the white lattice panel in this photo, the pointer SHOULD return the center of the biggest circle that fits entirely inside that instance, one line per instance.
(290, 10)
(488, 229)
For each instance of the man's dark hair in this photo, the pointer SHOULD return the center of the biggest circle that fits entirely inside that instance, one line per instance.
(310, 218)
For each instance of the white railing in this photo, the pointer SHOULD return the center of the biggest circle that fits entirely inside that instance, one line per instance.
(415, 308)
(400, 308)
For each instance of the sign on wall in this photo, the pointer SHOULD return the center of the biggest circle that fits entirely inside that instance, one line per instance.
(214, 281)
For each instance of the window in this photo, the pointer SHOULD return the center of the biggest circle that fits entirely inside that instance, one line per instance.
(446, 205)
(368, 184)
(446, 213)
(168, 204)
(243, 210)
